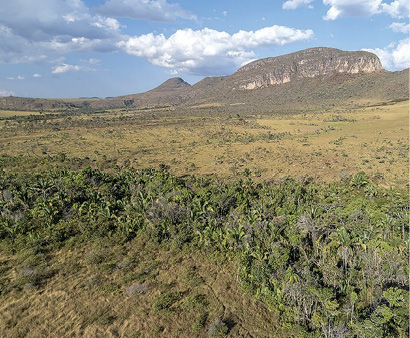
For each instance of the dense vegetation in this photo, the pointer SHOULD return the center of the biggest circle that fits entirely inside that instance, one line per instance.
(328, 259)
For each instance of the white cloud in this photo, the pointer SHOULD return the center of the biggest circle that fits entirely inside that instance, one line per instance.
(19, 77)
(94, 61)
(400, 27)
(351, 8)
(38, 21)
(397, 9)
(37, 76)
(34, 31)
(365, 8)
(293, 4)
(64, 68)
(106, 23)
(207, 51)
(394, 56)
(48, 29)
(6, 93)
(151, 10)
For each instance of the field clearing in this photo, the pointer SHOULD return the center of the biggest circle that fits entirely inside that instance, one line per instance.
(325, 145)
(11, 113)
(90, 298)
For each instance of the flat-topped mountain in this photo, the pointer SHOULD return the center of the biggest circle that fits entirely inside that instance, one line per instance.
(308, 63)
(309, 78)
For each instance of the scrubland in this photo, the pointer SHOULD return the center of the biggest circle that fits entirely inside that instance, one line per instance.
(325, 144)
(195, 223)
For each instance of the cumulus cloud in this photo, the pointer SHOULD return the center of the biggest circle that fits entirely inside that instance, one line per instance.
(293, 4)
(64, 68)
(400, 27)
(152, 10)
(397, 9)
(394, 56)
(33, 31)
(207, 51)
(38, 21)
(37, 76)
(45, 30)
(351, 8)
(6, 93)
(365, 8)
(42, 30)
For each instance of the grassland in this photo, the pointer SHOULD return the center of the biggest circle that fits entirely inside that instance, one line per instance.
(16, 113)
(141, 289)
(327, 144)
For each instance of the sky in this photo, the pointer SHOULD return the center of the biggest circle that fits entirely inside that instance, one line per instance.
(104, 48)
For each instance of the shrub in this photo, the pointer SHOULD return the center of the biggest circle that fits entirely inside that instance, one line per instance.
(164, 301)
(200, 321)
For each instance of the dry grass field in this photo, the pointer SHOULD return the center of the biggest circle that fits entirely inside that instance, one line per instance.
(15, 113)
(104, 290)
(327, 145)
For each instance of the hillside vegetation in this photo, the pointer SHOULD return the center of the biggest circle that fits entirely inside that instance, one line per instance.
(129, 254)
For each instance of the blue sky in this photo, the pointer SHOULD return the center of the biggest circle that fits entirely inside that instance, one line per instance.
(84, 48)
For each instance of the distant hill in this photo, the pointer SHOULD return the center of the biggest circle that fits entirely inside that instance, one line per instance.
(173, 84)
(311, 78)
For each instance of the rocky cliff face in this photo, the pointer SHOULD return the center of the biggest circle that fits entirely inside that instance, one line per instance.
(308, 63)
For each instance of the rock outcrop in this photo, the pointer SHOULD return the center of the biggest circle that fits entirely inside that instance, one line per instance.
(308, 63)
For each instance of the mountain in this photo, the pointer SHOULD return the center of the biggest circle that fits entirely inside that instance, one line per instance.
(311, 78)
(172, 92)
(173, 84)
(315, 77)
(308, 63)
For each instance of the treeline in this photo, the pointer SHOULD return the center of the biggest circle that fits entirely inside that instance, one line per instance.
(329, 259)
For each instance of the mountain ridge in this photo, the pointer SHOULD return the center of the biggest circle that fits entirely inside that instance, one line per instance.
(315, 76)
(308, 63)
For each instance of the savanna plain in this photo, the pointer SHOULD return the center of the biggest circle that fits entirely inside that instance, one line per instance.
(203, 222)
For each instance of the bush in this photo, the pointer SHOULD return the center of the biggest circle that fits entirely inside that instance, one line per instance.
(165, 301)
(200, 321)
